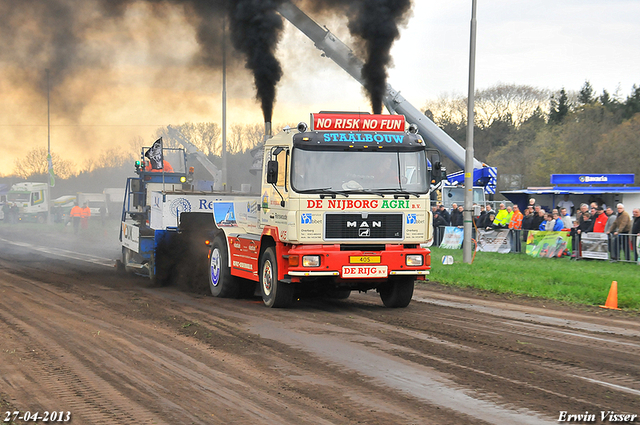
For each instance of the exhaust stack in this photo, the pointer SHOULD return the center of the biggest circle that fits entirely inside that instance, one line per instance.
(267, 131)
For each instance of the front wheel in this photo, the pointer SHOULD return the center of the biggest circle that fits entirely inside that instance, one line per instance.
(397, 292)
(274, 293)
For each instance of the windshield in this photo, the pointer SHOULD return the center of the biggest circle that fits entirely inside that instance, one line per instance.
(18, 197)
(358, 171)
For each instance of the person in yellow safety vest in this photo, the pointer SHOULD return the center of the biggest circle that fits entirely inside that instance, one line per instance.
(502, 218)
(86, 213)
(76, 215)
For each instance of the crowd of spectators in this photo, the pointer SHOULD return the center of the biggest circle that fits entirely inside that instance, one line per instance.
(621, 228)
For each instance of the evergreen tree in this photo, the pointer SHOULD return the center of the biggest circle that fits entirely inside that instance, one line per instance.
(559, 107)
(632, 105)
(586, 97)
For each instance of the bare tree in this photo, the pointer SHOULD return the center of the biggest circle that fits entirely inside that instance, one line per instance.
(513, 102)
(35, 164)
(502, 102)
(205, 136)
(447, 109)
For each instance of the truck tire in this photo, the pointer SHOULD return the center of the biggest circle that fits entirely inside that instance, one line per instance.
(221, 282)
(397, 292)
(275, 294)
(159, 270)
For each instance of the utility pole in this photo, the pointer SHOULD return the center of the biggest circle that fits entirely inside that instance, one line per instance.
(224, 103)
(49, 221)
(468, 165)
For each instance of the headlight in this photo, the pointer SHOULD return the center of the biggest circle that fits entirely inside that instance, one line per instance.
(311, 261)
(414, 260)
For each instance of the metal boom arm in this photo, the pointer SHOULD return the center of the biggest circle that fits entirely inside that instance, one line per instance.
(342, 55)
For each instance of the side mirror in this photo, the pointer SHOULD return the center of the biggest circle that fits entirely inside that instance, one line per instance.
(272, 172)
(437, 171)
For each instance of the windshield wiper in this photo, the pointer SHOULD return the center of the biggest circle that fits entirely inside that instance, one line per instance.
(324, 191)
(397, 191)
(365, 191)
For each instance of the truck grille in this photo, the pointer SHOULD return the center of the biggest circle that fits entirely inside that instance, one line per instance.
(369, 227)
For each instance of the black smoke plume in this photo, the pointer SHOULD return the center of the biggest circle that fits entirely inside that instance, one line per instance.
(376, 24)
(71, 38)
(256, 28)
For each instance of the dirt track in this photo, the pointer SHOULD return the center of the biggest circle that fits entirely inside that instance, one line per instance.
(77, 336)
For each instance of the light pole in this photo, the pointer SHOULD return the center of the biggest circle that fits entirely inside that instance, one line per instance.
(224, 103)
(49, 160)
(468, 165)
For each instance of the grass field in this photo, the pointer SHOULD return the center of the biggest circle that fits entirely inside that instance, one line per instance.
(580, 282)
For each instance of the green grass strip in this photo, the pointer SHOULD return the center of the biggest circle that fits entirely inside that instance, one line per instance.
(580, 282)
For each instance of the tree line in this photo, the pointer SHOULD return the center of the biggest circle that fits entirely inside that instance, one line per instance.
(529, 134)
(111, 167)
(526, 132)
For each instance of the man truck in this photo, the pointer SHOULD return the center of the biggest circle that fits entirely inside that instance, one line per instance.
(343, 206)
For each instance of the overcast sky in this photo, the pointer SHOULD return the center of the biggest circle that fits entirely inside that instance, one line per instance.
(547, 44)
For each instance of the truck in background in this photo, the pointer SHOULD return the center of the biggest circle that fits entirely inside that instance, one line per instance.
(343, 207)
(31, 199)
(95, 202)
(114, 197)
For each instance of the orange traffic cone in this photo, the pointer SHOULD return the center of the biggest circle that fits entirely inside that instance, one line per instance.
(612, 299)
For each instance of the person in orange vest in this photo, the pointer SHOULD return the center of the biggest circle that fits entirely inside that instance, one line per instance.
(86, 213)
(76, 215)
(167, 168)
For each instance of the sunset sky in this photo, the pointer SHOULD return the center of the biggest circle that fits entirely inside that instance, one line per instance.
(145, 82)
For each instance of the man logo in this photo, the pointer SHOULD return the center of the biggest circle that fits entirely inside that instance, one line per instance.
(364, 224)
(412, 219)
(306, 218)
(364, 232)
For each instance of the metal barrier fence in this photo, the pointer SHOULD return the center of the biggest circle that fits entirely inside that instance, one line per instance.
(621, 247)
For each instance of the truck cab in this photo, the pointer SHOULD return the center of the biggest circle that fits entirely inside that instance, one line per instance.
(31, 199)
(344, 208)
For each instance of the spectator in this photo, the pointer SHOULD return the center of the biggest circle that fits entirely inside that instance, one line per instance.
(516, 219)
(532, 202)
(548, 222)
(635, 231)
(439, 223)
(566, 203)
(558, 225)
(444, 214)
(456, 216)
(599, 221)
(489, 224)
(509, 214)
(583, 209)
(566, 219)
(620, 229)
(538, 218)
(484, 221)
(502, 218)
(527, 222)
(611, 218)
(586, 224)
